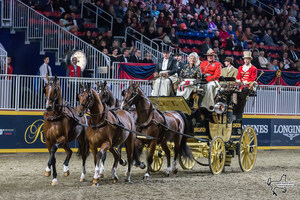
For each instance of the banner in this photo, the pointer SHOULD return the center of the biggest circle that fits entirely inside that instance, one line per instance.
(136, 71)
(26, 134)
(279, 78)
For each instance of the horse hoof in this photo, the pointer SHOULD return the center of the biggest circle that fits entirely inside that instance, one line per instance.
(146, 178)
(175, 171)
(95, 181)
(127, 181)
(115, 180)
(67, 173)
(142, 165)
(47, 173)
(53, 183)
(167, 175)
(101, 175)
(95, 184)
(82, 179)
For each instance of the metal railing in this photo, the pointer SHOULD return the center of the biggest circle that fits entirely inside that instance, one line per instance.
(155, 54)
(53, 36)
(265, 7)
(3, 61)
(97, 13)
(5, 12)
(133, 35)
(23, 92)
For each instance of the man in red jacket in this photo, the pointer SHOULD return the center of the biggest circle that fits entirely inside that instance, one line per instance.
(74, 70)
(246, 77)
(211, 71)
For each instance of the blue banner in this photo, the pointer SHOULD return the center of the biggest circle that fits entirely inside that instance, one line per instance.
(279, 78)
(136, 71)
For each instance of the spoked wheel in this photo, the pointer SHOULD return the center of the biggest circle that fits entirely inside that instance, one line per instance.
(157, 160)
(248, 149)
(187, 163)
(217, 155)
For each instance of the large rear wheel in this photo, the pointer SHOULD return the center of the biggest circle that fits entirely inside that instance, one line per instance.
(187, 163)
(248, 149)
(217, 155)
(157, 160)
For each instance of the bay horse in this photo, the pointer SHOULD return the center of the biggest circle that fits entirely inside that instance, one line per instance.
(161, 126)
(103, 131)
(62, 125)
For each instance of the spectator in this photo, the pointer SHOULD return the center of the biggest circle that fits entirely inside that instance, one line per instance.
(154, 12)
(117, 46)
(222, 55)
(88, 37)
(76, 22)
(263, 61)
(173, 37)
(223, 34)
(293, 55)
(161, 19)
(45, 69)
(74, 70)
(239, 31)
(151, 33)
(8, 69)
(137, 57)
(205, 46)
(274, 65)
(230, 43)
(125, 57)
(287, 62)
(248, 36)
(255, 60)
(114, 57)
(102, 45)
(160, 33)
(211, 25)
(231, 32)
(147, 58)
(108, 38)
(241, 44)
(63, 22)
(268, 38)
(261, 46)
(105, 51)
(216, 45)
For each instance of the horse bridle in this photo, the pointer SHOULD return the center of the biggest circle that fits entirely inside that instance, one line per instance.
(90, 99)
(56, 97)
(134, 93)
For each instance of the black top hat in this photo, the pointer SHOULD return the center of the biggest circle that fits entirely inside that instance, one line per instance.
(166, 49)
(177, 52)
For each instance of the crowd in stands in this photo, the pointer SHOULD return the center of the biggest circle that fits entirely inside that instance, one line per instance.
(227, 26)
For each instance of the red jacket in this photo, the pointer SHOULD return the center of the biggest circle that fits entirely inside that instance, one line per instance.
(214, 69)
(72, 71)
(248, 76)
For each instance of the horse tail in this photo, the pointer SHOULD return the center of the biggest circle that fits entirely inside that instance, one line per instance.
(83, 150)
(185, 150)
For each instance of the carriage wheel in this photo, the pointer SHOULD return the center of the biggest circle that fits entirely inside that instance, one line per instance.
(187, 163)
(248, 149)
(157, 160)
(217, 155)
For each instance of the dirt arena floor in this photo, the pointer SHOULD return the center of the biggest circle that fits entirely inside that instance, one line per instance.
(22, 178)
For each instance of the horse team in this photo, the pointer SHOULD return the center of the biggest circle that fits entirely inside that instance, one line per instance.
(108, 126)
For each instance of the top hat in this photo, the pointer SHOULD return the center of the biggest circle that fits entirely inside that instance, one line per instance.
(229, 59)
(210, 52)
(247, 54)
(166, 49)
(177, 52)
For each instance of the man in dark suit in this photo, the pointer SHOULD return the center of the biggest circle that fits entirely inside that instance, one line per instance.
(125, 57)
(166, 74)
(293, 55)
(179, 64)
(76, 21)
(205, 46)
(137, 57)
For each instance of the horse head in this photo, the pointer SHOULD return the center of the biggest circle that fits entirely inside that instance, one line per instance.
(52, 93)
(85, 98)
(130, 95)
(104, 93)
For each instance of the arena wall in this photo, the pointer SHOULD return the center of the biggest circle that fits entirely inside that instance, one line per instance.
(22, 131)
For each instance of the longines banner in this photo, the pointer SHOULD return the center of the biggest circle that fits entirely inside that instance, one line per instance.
(23, 131)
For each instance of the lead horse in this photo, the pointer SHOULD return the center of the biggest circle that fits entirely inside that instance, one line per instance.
(62, 125)
(162, 126)
(105, 131)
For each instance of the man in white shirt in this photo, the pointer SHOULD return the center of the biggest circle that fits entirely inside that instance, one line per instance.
(45, 69)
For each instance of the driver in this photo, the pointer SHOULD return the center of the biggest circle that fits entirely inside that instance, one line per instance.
(211, 70)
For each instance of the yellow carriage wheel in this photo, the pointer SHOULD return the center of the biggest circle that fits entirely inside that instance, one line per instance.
(157, 160)
(217, 155)
(248, 149)
(187, 163)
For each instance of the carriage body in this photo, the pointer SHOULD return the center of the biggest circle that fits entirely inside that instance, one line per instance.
(217, 135)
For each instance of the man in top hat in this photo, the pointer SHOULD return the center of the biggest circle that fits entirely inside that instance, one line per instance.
(179, 64)
(165, 74)
(211, 71)
(245, 79)
(229, 70)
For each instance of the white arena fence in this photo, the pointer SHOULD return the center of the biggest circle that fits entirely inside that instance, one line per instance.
(24, 92)
(3, 61)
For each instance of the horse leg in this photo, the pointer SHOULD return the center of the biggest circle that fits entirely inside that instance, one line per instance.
(168, 155)
(122, 162)
(84, 152)
(129, 152)
(176, 153)
(117, 157)
(53, 163)
(96, 175)
(150, 159)
(138, 148)
(47, 172)
(101, 173)
(66, 162)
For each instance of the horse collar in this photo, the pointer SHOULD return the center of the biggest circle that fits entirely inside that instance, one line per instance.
(55, 118)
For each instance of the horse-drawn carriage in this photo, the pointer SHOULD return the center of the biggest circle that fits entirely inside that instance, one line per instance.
(216, 135)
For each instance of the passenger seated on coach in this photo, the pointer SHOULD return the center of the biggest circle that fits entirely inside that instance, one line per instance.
(165, 74)
(188, 76)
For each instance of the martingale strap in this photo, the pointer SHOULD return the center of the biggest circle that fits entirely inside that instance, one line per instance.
(103, 120)
(55, 118)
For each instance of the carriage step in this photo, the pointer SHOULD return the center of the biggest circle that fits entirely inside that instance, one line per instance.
(228, 160)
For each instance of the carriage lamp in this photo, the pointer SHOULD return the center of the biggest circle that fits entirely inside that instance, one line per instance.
(220, 108)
